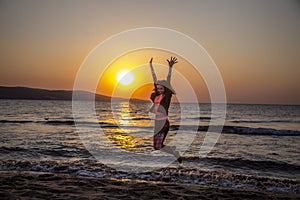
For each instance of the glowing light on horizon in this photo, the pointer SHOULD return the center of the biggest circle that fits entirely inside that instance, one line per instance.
(125, 77)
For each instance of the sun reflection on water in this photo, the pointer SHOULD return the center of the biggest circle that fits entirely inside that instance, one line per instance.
(122, 113)
(125, 141)
(122, 137)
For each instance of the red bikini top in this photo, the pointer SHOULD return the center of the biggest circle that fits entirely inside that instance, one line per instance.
(158, 99)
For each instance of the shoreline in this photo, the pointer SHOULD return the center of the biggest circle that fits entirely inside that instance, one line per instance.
(45, 185)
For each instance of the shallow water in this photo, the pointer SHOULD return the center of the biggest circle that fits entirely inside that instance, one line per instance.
(257, 140)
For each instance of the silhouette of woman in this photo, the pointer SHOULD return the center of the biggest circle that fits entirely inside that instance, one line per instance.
(161, 98)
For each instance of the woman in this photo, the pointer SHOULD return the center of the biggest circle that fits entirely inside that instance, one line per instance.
(161, 98)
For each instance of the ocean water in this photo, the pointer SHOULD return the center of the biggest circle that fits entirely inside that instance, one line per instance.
(259, 143)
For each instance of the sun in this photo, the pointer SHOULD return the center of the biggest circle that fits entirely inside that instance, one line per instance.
(125, 77)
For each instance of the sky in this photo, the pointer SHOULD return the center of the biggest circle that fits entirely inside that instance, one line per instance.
(255, 44)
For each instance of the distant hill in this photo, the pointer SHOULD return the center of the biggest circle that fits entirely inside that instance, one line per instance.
(43, 94)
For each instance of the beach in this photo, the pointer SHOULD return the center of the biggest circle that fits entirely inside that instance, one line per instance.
(150, 100)
(40, 185)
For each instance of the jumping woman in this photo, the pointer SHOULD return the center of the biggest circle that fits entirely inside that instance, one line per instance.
(161, 98)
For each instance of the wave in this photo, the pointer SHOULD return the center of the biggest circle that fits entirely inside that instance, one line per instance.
(264, 165)
(57, 122)
(141, 118)
(9, 149)
(62, 151)
(225, 129)
(264, 121)
(54, 122)
(260, 131)
(16, 121)
(200, 118)
(93, 168)
(239, 130)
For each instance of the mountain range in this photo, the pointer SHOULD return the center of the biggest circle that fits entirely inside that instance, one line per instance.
(7, 92)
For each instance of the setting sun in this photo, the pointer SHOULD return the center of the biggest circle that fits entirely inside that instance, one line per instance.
(125, 77)
(129, 76)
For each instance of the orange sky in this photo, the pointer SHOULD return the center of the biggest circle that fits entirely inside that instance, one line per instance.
(136, 63)
(255, 44)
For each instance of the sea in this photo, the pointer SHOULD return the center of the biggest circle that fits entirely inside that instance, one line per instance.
(258, 146)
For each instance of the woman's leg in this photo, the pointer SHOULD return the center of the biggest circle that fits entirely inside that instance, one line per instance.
(165, 130)
(160, 132)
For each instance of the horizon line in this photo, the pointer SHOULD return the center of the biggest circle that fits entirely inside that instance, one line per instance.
(68, 90)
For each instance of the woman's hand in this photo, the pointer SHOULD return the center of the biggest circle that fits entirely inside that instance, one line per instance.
(171, 62)
(151, 60)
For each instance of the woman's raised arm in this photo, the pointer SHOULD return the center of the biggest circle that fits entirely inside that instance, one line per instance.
(171, 62)
(153, 72)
